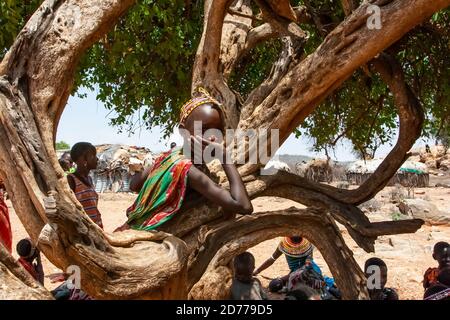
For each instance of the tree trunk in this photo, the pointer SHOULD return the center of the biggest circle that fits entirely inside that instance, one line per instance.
(16, 283)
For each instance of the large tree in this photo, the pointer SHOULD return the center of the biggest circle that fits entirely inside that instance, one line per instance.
(192, 252)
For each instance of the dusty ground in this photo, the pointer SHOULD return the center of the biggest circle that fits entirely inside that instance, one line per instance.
(407, 256)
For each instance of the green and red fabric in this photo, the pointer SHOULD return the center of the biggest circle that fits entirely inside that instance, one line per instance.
(163, 193)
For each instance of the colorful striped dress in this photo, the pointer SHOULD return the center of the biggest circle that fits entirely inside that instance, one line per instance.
(88, 198)
(163, 193)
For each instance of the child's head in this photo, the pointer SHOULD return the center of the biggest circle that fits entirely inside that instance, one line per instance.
(26, 249)
(377, 262)
(65, 165)
(204, 109)
(84, 155)
(441, 253)
(276, 285)
(244, 265)
(66, 156)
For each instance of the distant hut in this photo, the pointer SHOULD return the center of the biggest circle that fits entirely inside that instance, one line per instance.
(117, 164)
(318, 170)
(410, 174)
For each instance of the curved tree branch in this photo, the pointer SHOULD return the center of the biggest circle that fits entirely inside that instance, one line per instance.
(224, 241)
(16, 282)
(345, 49)
(207, 71)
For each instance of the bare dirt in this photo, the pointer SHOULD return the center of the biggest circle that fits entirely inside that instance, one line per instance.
(407, 256)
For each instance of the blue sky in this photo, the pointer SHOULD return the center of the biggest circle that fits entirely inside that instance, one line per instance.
(86, 119)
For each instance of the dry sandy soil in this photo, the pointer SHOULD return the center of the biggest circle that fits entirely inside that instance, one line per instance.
(407, 256)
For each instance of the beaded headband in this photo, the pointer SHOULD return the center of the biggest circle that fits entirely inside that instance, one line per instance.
(298, 250)
(196, 102)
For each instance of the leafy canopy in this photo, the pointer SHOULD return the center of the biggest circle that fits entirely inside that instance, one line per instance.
(62, 145)
(142, 69)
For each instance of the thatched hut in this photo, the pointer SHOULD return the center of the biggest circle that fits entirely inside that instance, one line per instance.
(117, 164)
(410, 174)
(319, 170)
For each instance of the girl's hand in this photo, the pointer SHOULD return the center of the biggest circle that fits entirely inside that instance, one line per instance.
(217, 148)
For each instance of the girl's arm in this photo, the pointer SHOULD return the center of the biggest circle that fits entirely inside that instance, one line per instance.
(268, 262)
(235, 201)
(137, 182)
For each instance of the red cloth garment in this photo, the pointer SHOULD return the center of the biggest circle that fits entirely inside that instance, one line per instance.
(430, 277)
(5, 225)
(30, 268)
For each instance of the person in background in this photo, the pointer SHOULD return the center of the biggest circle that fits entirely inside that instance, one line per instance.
(28, 254)
(297, 251)
(381, 293)
(245, 286)
(311, 277)
(66, 163)
(84, 155)
(437, 292)
(5, 224)
(441, 253)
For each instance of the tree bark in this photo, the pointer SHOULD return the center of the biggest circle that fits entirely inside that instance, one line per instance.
(16, 283)
(346, 48)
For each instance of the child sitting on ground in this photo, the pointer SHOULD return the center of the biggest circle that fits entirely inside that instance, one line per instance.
(441, 253)
(28, 254)
(245, 286)
(441, 289)
(311, 276)
(377, 290)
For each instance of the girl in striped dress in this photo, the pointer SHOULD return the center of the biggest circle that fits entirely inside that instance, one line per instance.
(84, 155)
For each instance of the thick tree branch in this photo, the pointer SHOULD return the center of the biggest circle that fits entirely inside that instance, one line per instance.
(16, 282)
(234, 34)
(207, 71)
(346, 48)
(411, 118)
(222, 242)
